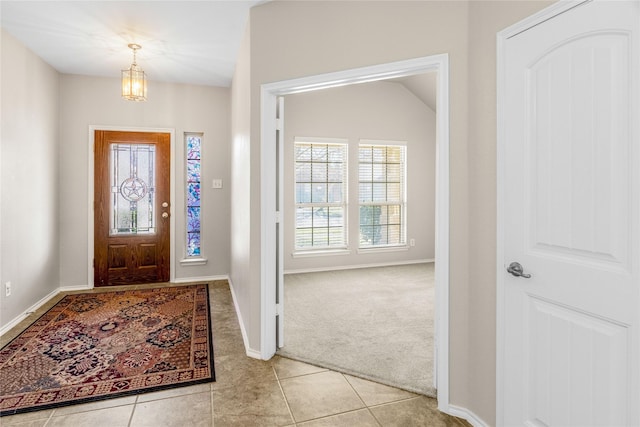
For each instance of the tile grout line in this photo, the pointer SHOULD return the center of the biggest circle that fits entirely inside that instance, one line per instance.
(133, 410)
(49, 419)
(361, 399)
(336, 414)
(306, 375)
(284, 396)
(213, 409)
(397, 401)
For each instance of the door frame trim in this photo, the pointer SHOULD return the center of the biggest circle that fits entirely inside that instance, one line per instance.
(268, 182)
(501, 120)
(90, 183)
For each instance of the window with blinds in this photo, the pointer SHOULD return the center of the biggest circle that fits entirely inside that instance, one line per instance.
(382, 194)
(320, 194)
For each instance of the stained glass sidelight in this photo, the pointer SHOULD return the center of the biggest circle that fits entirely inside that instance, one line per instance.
(193, 144)
(132, 189)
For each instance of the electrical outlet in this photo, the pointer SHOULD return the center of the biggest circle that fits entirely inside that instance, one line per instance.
(7, 289)
(412, 242)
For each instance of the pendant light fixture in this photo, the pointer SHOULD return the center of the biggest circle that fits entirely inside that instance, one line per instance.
(134, 81)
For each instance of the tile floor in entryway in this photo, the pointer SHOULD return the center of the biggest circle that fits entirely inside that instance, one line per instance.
(250, 392)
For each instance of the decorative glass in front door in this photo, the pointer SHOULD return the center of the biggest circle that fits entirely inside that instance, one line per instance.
(132, 178)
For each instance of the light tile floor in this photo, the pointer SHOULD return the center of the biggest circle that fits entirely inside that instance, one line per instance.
(248, 392)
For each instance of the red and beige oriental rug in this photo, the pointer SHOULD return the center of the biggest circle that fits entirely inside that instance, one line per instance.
(98, 346)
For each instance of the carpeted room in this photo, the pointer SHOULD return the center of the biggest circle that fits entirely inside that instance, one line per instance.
(333, 290)
(374, 323)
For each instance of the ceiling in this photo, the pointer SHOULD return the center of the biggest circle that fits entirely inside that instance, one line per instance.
(193, 42)
(422, 86)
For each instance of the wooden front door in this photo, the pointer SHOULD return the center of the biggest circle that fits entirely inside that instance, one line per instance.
(131, 207)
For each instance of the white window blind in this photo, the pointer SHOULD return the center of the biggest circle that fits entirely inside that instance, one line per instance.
(320, 194)
(382, 177)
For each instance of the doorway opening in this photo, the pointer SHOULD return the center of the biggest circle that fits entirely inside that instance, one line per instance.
(272, 248)
(359, 223)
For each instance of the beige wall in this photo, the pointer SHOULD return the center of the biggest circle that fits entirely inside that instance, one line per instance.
(296, 39)
(380, 111)
(29, 217)
(486, 18)
(89, 101)
(240, 268)
(45, 195)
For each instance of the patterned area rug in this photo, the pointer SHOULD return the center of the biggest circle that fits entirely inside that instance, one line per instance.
(98, 346)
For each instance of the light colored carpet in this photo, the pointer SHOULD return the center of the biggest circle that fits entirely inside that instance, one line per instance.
(375, 323)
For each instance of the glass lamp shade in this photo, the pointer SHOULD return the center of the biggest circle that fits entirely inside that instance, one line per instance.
(134, 84)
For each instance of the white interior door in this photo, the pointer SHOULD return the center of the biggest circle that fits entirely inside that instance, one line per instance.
(568, 336)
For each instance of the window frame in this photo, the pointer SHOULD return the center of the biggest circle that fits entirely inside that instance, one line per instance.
(344, 204)
(402, 244)
(197, 259)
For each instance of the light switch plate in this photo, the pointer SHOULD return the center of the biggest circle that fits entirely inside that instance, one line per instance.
(217, 183)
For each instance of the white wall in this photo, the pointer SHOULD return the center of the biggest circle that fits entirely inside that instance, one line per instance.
(240, 271)
(486, 18)
(381, 111)
(89, 101)
(29, 188)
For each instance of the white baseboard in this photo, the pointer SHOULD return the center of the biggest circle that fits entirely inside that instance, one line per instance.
(200, 279)
(466, 414)
(248, 350)
(353, 267)
(254, 354)
(75, 288)
(30, 310)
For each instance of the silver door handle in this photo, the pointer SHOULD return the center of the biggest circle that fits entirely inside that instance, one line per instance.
(516, 269)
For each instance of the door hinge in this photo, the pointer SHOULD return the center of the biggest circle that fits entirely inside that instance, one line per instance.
(278, 124)
(278, 309)
(278, 217)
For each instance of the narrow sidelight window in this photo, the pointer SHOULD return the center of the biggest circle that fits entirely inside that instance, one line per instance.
(193, 143)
